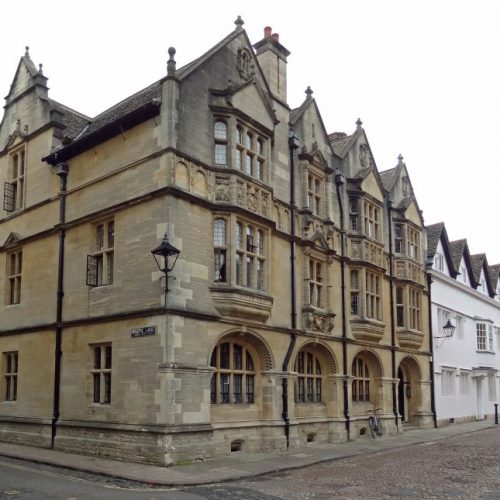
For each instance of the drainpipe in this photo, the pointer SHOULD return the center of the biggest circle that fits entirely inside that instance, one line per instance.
(61, 169)
(293, 145)
(339, 181)
(431, 347)
(393, 326)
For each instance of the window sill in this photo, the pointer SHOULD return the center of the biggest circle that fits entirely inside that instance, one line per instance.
(480, 351)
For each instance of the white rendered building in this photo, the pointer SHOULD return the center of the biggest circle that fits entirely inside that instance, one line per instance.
(465, 291)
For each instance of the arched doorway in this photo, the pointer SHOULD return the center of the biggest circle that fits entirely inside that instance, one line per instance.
(409, 392)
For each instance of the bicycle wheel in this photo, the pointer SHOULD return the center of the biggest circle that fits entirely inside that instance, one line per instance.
(380, 431)
(373, 427)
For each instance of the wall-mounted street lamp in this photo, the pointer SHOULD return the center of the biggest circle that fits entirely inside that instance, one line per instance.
(448, 329)
(165, 255)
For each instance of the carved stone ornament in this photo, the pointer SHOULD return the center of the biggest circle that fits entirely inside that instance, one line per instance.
(364, 155)
(222, 189)
(251, 198)
(244, 63)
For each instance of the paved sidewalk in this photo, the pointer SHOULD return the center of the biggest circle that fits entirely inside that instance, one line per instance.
(238, 465)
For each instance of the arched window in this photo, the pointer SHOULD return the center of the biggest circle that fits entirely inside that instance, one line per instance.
(220, 137)
(361, 380)
(309, 379)
(220, 250)
(234, 378)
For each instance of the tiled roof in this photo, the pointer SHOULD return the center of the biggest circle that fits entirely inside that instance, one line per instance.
(433, 236)
(128, 105)
(388, 177)
(477, 262)
(296, 113)
(457, 249)
(79, 128)
(73, 120)
(340, 145)
(494, 274)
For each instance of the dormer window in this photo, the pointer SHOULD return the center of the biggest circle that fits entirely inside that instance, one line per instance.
(439, 262)
(220, 140)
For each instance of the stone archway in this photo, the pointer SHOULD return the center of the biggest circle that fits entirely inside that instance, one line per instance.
(409, 389)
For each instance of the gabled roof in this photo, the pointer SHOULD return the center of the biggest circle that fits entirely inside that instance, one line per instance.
(480, 263)
(389, 177)
(459, 249)
(73, 120)
(494, 275)
(434, 232)
(437, 233)
(144, 103)
(342, 143)
(12, 239)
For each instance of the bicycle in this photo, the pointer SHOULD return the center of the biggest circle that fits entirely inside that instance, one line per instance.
(375, 423)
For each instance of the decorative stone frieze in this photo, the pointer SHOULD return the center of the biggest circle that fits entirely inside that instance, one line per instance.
(318, 321)
(366, 250)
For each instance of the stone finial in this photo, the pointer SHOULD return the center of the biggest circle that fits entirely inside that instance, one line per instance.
(359, 124)
(171, 62)
(268, 32)
(26, 51)
(308, 92)
(18, 124)
(26, 129)
(400, 160)
(239, 23)
(40, 69)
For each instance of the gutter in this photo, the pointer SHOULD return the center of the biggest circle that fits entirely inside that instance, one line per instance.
(293, 145)
(339, 181)
(61, 169)
(431, 348)
(393, 326)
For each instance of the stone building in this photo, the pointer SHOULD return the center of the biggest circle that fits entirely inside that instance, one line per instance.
(298, 301)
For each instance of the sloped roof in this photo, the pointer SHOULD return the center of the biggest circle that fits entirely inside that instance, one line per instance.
(477, 261)
(494, 274)
(389, 177)
(433, 236)
(296, 114)
(74, 121)
(457, 250)
(83, 129)
(341, 145)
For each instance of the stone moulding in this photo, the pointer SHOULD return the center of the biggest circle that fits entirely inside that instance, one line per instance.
(241, 303)
(363, 329)
(410, 338)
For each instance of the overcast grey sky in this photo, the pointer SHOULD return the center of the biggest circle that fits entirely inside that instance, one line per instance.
(422, 75)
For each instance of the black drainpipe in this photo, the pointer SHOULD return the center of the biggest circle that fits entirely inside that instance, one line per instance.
(61, 169)
(339, 181)
(431, 347)
(393, 326)
(293, 145)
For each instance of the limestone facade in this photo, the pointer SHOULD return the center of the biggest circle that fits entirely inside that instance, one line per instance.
(297, 304)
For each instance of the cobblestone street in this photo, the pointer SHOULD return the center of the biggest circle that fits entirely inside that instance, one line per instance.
(466, 466)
